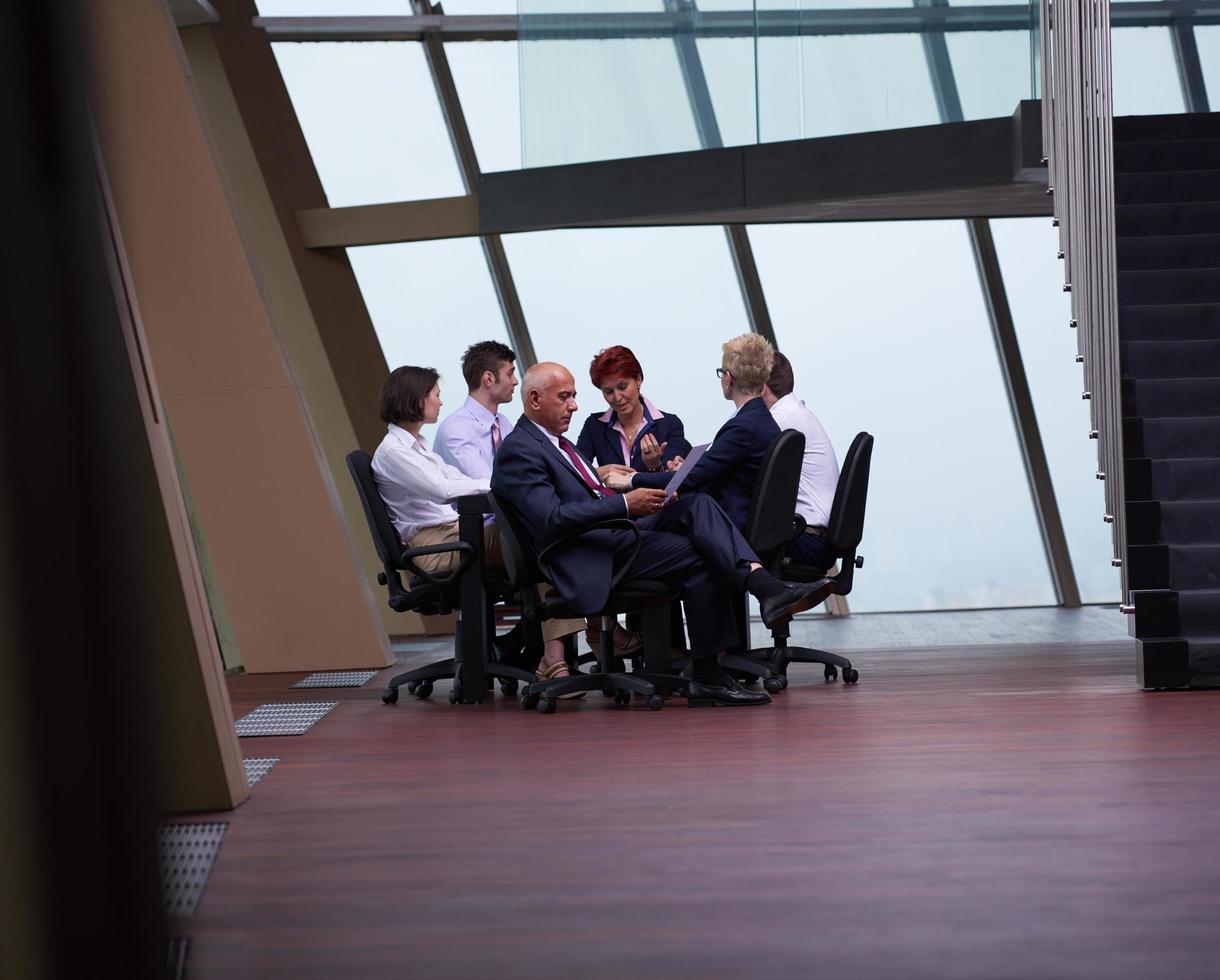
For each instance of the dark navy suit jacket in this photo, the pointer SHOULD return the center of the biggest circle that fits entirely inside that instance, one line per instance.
(600, 441)
(538, 481)
(728, 470)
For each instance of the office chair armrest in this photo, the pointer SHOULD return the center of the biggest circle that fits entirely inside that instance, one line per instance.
(798, 528)
(466, 552)
(614, 523)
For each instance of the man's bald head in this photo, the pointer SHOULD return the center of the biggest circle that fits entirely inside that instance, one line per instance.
(548, 392)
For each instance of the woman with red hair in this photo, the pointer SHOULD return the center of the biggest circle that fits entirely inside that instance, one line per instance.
(632, 432)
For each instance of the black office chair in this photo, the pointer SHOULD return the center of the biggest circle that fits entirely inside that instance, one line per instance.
(843, 534)
(430, 594)
(650, 598)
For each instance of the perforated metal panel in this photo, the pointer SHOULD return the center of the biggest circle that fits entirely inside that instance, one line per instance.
(256, 769)
(186, 852)
(283, 719)
(337, 678)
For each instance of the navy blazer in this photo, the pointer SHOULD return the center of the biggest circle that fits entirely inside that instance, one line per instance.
(728, 470)
(538, 481)
(600, 441)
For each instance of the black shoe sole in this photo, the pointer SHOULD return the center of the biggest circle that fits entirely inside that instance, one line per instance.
(713, 703)
(808, 602)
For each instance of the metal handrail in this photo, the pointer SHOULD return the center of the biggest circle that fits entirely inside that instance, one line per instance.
(1078, 142)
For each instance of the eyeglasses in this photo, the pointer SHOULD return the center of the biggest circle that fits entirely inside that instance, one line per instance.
(721, 372)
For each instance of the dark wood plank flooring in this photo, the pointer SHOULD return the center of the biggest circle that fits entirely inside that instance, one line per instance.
(1010, 812)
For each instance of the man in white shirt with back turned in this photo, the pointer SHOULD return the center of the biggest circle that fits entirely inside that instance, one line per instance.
(819, 469)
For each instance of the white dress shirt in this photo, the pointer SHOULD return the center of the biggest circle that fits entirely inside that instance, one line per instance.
(463, 439)
(819, 468)
(416, 484)
(591, 472)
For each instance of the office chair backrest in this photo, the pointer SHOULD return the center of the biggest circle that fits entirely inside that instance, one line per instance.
(773, 506)
(519, 560)
(385, 538)
(845, 527)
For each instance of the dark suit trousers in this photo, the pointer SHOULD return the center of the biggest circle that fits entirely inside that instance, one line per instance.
(694, 545)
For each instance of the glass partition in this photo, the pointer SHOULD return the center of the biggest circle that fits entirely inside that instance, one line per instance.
(618, 78)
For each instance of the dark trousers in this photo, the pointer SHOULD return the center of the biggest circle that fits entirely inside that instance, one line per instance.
(693, 545)
(809, 549)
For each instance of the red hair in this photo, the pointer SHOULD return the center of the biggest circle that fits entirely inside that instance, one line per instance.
(614, 361)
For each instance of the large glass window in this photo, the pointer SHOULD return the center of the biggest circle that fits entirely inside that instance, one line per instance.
(1144, 72)
(670, 294)
(1208, 40)
(371, 118)
(1033, 278)
(429, 301)
(887, 332)
(486, 77)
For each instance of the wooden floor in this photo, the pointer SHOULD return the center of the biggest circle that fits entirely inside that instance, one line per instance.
(974, 812)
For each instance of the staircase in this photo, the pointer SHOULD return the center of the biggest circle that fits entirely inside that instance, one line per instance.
(1167, 218)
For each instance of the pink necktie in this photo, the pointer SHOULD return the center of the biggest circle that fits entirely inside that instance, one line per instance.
(495, 436)
(585, 475)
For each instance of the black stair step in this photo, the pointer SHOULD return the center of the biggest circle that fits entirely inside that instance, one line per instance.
(1195, 218)
(1184, 321)
(1180, 154)
(1173, 126)
(1172, 286)
(1185, 479)
(1190, 522)
(1204, 658)
(1199, 612)
(1194, 566)
(1180, 438)
(1171, 359)
(1172, 397)
(1168, 252)
(1167, 187)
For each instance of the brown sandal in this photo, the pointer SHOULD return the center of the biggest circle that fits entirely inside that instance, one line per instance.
(626, 642)
(559, 668)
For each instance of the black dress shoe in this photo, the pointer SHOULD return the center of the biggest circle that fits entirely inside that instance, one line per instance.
(781, 608)
(730, 694)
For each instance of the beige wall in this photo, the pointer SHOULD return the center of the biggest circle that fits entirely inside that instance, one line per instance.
(293, 582)
(294, 317)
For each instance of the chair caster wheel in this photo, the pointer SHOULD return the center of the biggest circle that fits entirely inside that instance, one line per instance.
(411, 686)
(453, 696)
(655, 702)
(850, 675)
(773, 685)
(424, 691)
(595, 668)
(622, 698)
(508, 687)
(546, 706)
(831, 673)
(529, 701)
(389, 695)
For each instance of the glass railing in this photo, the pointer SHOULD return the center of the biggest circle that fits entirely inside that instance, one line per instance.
(603, 79)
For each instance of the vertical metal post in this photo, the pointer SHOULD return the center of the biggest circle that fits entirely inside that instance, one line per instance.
(708, 128)
(1190, 68)
(1012, 367)
(468, 164)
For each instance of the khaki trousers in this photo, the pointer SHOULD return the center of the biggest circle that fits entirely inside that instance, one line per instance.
(552, 629)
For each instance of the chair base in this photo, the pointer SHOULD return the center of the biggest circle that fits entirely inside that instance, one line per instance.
(419, 681)
(771, 664)
(621, 686)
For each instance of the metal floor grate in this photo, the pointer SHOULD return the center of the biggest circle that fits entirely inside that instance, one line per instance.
(256, 769)
(186, 852)
(337, 678)
(283, 719)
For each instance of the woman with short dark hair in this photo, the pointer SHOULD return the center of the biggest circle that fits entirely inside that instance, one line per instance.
(418, 488)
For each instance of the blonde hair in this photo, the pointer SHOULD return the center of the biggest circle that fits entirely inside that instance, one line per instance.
(749, 359)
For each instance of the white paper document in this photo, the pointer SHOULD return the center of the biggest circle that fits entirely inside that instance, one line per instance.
(682, 471)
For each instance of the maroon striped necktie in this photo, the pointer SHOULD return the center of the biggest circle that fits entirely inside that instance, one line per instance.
(585, 475)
